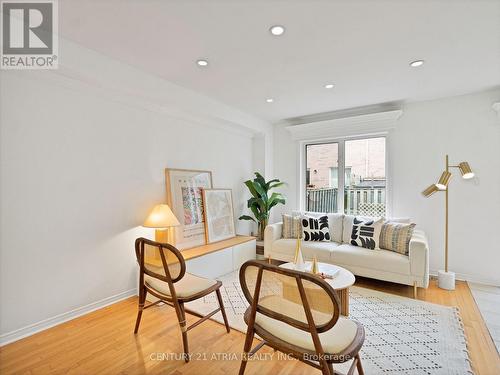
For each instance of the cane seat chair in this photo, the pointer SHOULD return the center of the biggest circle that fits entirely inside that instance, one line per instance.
(290, 325)
(171, 284)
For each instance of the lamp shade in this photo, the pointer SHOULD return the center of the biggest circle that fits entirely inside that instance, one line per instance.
(443, 180)
(430, 190)
(465, 170)
(161, 217)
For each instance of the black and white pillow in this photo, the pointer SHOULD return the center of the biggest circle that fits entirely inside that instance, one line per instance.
(315, 229)
(365, 233)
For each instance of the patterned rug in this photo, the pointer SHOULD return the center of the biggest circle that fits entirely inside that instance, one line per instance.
(403, 335)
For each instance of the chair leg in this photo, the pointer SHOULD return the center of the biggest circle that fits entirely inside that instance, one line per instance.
(415, 290)
(222, 310)
(246, 349)
(183, 326)
(142, 299)
(359, 366)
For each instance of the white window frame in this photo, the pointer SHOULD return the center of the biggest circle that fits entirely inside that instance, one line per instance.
(341, 169)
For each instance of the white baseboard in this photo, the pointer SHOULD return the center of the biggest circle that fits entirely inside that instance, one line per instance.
(471, 278)
(20, 333)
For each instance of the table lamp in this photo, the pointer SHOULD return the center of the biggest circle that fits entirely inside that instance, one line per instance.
(446, 279)
(162, 219)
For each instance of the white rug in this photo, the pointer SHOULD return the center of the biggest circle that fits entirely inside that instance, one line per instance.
(403, 335)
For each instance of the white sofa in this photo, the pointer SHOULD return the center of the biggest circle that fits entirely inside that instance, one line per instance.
(377, 264)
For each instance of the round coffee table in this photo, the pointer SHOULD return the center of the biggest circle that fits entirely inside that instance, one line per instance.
(340, 283)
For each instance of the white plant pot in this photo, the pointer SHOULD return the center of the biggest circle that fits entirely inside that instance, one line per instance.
(446, 280)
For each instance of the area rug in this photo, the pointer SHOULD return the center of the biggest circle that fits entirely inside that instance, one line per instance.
(403, 335)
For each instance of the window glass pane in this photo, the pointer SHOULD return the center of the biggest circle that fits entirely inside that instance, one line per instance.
(322, 177)
(365, 179)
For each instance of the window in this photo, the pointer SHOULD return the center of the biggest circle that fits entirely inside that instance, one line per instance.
(347, 176)
(322, 180)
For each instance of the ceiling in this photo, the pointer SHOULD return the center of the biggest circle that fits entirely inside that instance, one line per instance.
(362, 47)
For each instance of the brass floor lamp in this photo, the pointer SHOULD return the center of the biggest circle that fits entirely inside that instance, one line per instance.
(446, 279)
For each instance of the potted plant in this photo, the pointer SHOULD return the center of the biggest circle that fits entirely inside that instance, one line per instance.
(261, 202)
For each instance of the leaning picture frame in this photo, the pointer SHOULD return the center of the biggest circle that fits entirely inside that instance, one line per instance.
(184, 189)
(219, 214)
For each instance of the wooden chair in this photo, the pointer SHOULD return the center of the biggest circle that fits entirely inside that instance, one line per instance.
(172, 285)
(292, 327)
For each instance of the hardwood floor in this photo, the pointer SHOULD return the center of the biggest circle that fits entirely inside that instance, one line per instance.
(102, 342)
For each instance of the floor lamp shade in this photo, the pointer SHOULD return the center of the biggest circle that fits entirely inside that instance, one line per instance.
(443, 180)
(465, 170)
(430, 190)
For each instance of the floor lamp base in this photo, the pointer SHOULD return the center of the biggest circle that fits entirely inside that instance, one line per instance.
(446, 280)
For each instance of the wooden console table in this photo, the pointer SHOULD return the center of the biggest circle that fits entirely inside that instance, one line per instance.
(215, 259)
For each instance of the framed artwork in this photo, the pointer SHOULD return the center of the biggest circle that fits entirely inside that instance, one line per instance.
(185, 198)
(219, 217)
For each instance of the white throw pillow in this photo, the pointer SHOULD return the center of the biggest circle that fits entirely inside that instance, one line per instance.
(315, 229)
(366, 233)
(335, 223)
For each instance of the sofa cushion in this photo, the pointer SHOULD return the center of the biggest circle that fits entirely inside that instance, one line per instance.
(383, 260)
(322, 250)
(396, 237)
(366, 233)
(349, 222)
(335, 223)
(315, 229)
(292, 227)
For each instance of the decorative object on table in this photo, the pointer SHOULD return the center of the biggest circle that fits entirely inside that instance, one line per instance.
(298, 259)
(163, 220)
(315, 229)
(292, 226)
(396, 237)
(366, 233)
(261, 203)
(314, 266)
(184, 195)
(219, 217)
(446, 279)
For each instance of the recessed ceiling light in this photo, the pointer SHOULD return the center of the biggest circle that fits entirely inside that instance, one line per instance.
(269, 100)
(329, 86)
(277, 30)
(417, 63)
(202, 62)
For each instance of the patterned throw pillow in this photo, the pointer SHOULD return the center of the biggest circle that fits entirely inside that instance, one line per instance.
(396, 237)
(365, 233)
(315, 229)
(291, 226)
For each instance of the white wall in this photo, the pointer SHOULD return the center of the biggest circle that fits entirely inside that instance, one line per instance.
(467, 128)
(82, 163)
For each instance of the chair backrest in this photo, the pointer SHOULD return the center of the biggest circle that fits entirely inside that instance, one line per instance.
(297, 298)
(170, 266)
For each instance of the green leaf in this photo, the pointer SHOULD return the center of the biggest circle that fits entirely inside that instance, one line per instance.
(258, 202)
(246, 217)
(260, 179)
(275, 199)
(277, 185)
(251, 187)
(262, 192)
(268, 183)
